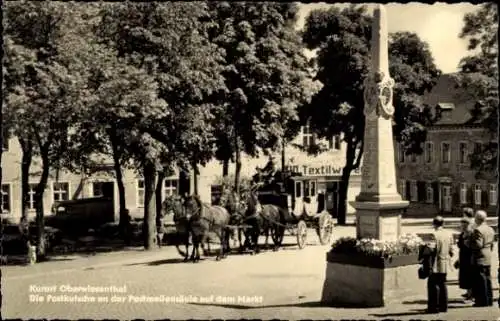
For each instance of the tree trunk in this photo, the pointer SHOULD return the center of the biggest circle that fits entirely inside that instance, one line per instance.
(1, 177)
(195, 179)
(124, 221)
(283, 162)
(27, 148)
(159, 196)
(39, 190)
(344, 183)
(225, 168)
(149, 223)
(237, 170)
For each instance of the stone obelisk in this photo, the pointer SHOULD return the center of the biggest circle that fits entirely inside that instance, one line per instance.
(379, 205)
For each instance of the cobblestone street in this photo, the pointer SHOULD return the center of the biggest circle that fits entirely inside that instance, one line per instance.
(285, 284)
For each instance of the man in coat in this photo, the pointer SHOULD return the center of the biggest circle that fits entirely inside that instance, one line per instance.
(481, 244)
(442, 245)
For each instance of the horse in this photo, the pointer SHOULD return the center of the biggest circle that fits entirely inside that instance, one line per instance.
(264, 218)
(204, 219)
(237, 207)
(175, 205)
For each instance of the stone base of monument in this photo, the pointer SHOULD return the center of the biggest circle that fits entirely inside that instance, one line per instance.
(379, 220)
(361, 281)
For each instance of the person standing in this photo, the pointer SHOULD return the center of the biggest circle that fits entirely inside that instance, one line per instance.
(464, 262)
(437, 293)
(481, 244)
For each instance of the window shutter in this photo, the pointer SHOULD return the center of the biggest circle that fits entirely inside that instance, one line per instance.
(435, 188)
(456, 196)
(408, 190)
(470, 195)
(421, 191)
(459, 193)
(484, 198)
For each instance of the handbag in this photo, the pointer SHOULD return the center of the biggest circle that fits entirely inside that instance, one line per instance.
(423, 273)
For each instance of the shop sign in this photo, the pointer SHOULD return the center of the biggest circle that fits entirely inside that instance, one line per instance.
(323, 170)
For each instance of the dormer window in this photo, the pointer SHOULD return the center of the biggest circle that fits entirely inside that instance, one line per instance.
(446, 106)
(307, 136)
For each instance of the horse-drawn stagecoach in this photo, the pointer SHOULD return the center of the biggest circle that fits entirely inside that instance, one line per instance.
(282, 202)
(302, 207)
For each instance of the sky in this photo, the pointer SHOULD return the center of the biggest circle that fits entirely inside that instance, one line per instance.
(438, 24)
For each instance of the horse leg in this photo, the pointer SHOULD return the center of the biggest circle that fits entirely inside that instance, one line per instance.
(267, 236)
(242, 246)
(193, 251)
(186, 244)
(255, 240)
(221, 248)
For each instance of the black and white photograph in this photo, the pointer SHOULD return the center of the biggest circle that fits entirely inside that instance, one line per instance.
(249, 160)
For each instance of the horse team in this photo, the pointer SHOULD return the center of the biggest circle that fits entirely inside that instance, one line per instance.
(196, 220)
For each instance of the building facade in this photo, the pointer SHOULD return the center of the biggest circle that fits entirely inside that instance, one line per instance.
(441, 179)
(326, 169)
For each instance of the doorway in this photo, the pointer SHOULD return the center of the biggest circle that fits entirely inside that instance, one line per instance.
(332, 198)
(446, 200)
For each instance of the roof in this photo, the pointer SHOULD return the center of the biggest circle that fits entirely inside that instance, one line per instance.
(450, 104)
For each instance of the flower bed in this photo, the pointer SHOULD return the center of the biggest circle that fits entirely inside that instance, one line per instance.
(407, 244)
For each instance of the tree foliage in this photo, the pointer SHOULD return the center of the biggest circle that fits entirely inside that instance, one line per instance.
(479, 78)
(266, 75)
(342, 40)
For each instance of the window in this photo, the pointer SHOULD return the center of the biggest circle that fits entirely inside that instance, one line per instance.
(429, 152)
(298, 189)
(414, 191)
(5, 143)
(334, 142)
(463, 193)
(307, 136)
(6, 201)
(313, 188)
(97, 189)
(445, 153)
(5, 140)
(493, 194)
(477, 194)
(402, 188)
(170, 187)
(61, 191)
(31, 196)
(401, 153)
(478, 147)
(140, 193)
(462, 152)
(429, 193)
(413, 157)
(306, 189)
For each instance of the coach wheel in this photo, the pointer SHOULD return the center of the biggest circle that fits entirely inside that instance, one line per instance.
(301, 234)
(325, 228)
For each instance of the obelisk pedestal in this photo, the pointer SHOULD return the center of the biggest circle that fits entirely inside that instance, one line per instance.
(379, 205)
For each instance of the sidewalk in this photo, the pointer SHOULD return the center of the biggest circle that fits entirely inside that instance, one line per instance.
(448, 221)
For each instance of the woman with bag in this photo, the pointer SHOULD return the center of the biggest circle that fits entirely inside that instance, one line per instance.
(464, 262)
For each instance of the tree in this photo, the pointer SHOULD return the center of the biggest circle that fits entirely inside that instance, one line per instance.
(265, 71)
(52, 87)
(342, 39)
(17, 58)
(169, 41)
(479, 78)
